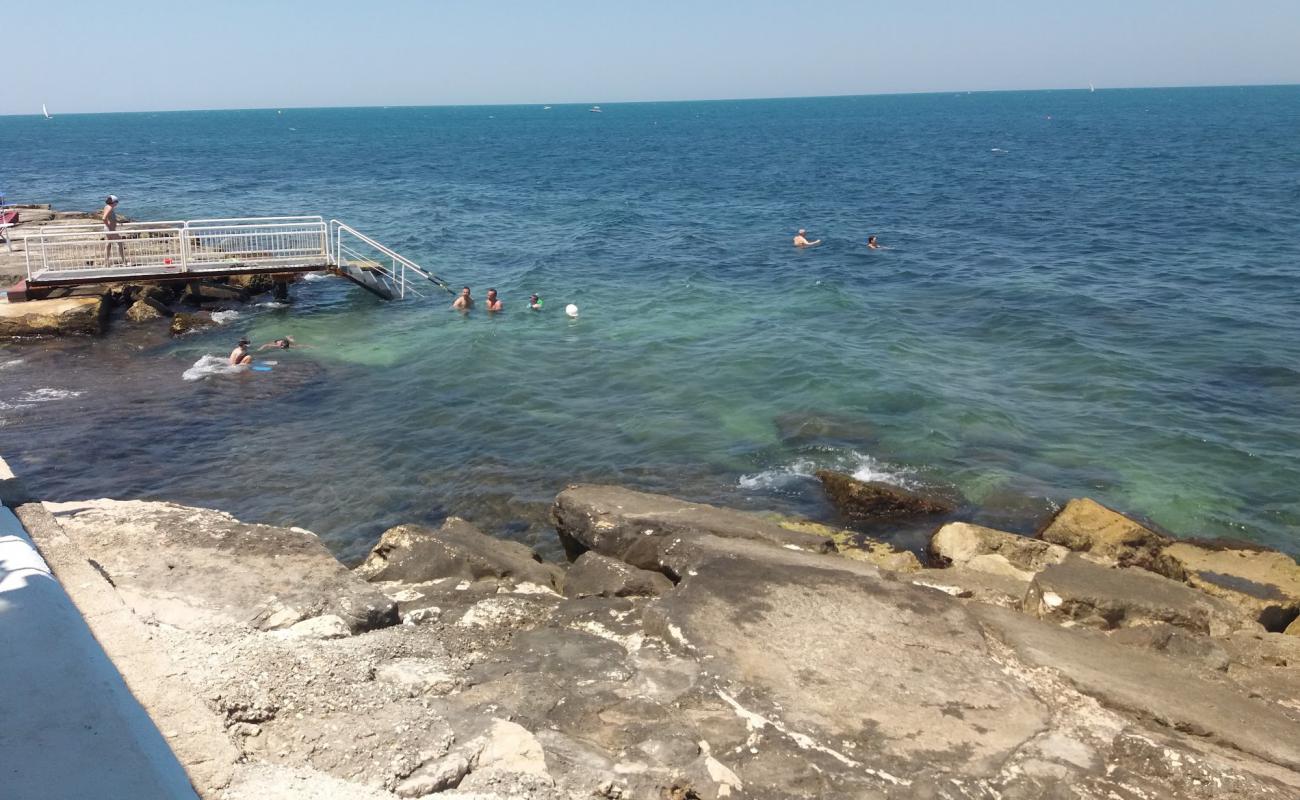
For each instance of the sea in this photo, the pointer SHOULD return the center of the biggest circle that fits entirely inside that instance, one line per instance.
(1078, 294)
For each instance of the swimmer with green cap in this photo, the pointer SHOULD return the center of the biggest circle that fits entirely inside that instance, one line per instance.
(535, 303)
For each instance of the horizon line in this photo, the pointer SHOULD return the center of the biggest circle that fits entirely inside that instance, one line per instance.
(685, 100)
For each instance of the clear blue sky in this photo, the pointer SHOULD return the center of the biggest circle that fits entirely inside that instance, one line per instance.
(147, 55)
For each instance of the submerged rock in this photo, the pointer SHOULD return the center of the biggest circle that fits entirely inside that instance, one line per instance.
(872, 501)
(67, 315)
(1087, 526)
(613, 521)
(811, 427)
(1083, 592)
(1263, 583)
(416, 554)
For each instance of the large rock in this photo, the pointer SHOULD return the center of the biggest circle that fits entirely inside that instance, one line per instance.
(1087, 526)
(163, 558)
(960, 544)
(861, 666)
(873, 501)
(1264, 583)
(1151, 686)
(594, 575)
(67, 315)
(416, 554)
(183, 323)
(852, 544)
(1084, 592)
(612, 521)
(146, 310)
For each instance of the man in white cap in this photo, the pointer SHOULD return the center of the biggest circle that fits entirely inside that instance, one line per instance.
(801, 239)
(109, 216)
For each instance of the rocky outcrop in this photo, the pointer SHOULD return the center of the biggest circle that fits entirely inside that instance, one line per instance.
(147, 310)
(163, 558)
(416, 554)
(1087, 526)
(64, 316)
(1083, 592)
(594, 575)
(1006, 590)
(1263, 583)
(185, 322)
(963, 544)
(852, 544)
(615, 522)
(874, 501)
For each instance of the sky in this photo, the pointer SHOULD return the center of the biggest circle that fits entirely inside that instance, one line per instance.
(145, 55)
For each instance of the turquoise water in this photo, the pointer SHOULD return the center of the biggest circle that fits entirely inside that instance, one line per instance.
(1083, 294)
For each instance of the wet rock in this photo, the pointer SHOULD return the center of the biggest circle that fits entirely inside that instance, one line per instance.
(416, 554)
(612, 521)
(184, 322)
(852, 544)
(1007, 591)
(1083, 592)
(594, 575)
(209, 292)
(963, 544)
(1150, 686)
(1264, 583)
(253, 284)
(872, 501)
(1087, 526)
(146, 310)
(163, 558)
(64, 316)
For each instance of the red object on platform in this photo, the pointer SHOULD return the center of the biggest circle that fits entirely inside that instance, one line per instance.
(8, 217)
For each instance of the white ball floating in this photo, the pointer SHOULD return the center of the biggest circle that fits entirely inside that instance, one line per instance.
(571, 310)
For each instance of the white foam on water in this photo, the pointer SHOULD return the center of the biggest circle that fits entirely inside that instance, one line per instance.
(47, 395)
(312, 277)
(224, 317)
(8, 364)
(859, 465)
(272, 304)
(209, 366)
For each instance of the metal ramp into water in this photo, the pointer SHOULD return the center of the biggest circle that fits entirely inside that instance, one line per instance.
(73, 255)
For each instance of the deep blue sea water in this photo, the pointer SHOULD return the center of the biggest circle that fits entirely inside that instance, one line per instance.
(1082, 294)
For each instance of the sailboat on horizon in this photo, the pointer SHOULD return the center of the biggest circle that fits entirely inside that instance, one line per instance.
(46, 111)
(1091, 88)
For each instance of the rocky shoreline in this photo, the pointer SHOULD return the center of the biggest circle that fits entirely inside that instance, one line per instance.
(178, 307)
(690, 651)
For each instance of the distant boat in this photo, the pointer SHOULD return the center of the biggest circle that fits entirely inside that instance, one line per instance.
(280, 111)
(1091, 88)
(45, 111)
(546, 108)
(594, 109)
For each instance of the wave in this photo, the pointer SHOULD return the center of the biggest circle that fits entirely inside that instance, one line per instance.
(312, 277)
(47, 395)
(803, 469)
(14, 363)
(209, 366)
(224, 317)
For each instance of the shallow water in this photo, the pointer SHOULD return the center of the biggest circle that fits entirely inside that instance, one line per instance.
(1083, 294)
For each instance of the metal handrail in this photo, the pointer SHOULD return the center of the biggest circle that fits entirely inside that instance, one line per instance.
(396, 274)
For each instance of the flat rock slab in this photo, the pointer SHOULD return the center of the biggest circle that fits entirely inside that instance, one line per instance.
(996, 589)
(1151, 686)
(1264, 583)
(594, 575)
(858, 663)
(611, 520)
(68, 315)
(190, 567)
(416, 554)
(1084, 592)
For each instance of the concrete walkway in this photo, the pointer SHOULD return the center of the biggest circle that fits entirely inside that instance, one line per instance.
(69, 726)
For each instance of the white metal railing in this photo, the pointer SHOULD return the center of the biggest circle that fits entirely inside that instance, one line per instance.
(371, 261)
(88, 251)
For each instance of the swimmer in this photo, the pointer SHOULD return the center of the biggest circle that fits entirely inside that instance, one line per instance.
(284, 343)
(464, 302)
(534, 302)
(801, 239)
(239, 357)
(493, 302)
(871, 242)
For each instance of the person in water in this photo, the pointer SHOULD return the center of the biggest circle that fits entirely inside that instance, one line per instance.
(284, 343)
(109, 217)
(534, 303)
(872, 243)
(801, 239)
(239, 357)
(493, 302)
(464, 302)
